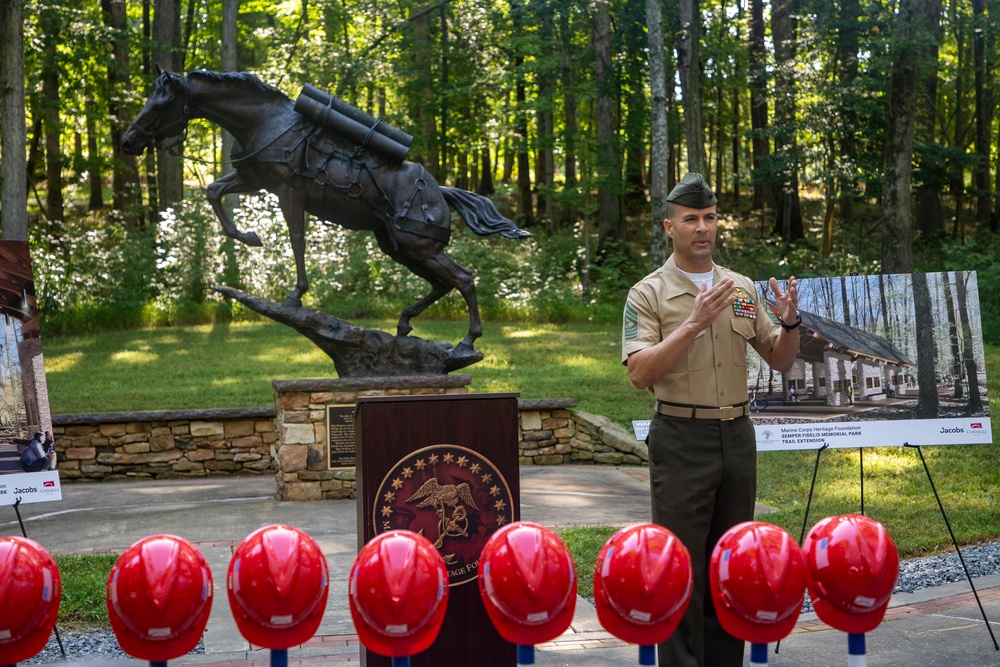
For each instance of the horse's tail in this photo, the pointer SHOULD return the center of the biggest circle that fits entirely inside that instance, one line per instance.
(481, 215)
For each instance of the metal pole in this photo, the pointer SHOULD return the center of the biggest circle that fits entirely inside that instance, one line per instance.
(525, 655)
(401, 662)
(955, 542)
(805, 519)
(861, 465)
(647, 654)
(24, 534)
(856, 650)
(279, 657)
(758, 654)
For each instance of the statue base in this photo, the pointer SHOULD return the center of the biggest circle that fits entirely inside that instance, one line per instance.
(314, 452)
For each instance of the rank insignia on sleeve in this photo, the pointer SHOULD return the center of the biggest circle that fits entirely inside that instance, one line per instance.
(631, 322)
(744, 306)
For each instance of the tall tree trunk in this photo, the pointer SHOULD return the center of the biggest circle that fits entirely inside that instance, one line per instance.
(689, 64)
(968, 352)
(51, 25)
(167, 54)
(521, 120)
(887, 332)
(231, 272)
(844, 301)
(568, 213)
(486, 172)
(956, 178)
(13, 179)
(929, 214)
(608, 209)
(95, 179)
(149, 157)
(927, 403)
(546, 168)
(956, 356)
(125, 178)
(915, 17)
(984, 122)
(762, 193)
(658, 156)
(847, 67)
(426, 111)
(788, 220)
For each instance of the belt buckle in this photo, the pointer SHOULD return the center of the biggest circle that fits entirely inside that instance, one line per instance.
(732, 413)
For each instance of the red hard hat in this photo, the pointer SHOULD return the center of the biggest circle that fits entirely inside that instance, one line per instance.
(642, 584)
(278, 583)
(30, 592)
(159, 598)
(528, 583)
(757, 575)
(852, 567)
(398, 593)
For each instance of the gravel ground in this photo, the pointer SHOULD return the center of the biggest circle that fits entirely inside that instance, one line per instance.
(85, 645)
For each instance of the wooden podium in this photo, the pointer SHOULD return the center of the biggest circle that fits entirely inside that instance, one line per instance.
(445, 465)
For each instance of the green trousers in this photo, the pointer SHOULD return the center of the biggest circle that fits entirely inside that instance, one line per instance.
(703, 478)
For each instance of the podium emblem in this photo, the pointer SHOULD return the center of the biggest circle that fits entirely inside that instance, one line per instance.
(451, 495)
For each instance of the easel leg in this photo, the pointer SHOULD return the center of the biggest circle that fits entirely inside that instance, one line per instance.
(55, 628)
(955, 542)
(805, 519)
(861, 467)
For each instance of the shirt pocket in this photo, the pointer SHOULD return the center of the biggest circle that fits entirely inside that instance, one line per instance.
(695, 355)
(743, 333)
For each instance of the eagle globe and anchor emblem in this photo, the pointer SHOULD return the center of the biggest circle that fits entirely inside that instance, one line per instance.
(453, 496)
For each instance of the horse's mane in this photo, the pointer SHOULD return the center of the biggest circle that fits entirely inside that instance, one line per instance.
(242, 78)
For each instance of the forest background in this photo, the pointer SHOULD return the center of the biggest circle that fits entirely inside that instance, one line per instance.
(848, 136)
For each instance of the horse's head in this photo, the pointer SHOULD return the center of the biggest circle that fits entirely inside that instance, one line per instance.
(166, 114)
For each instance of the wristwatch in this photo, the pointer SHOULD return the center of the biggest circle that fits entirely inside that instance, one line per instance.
(790, 327)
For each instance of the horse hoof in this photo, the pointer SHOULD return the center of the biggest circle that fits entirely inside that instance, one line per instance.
(251, 239)
(465, 347)
(292, 302)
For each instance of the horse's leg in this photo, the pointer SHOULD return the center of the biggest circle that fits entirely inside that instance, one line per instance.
(439, 288)
(428, 260)
(294, 213)
(230, 184)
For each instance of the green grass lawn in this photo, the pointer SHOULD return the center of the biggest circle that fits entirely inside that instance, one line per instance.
(216, 366)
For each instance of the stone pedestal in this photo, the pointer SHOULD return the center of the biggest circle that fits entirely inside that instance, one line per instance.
(301, 454)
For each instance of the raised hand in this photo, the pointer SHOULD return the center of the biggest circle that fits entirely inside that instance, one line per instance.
(787, 301)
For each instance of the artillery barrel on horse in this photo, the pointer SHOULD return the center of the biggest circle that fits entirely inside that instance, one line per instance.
(312, 170)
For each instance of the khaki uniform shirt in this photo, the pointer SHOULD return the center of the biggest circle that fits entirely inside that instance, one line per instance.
(713, 371)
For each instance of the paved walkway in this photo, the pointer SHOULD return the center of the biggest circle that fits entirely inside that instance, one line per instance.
(938, 626)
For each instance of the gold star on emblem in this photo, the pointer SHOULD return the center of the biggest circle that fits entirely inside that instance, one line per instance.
(475, 468)
(462, 461)
(420, 464)
(487, 477)
(386, 511)
(501, 520)
(397, 483)
(407, 472)
(390, 496)
(433, 459)
(499, 505)
(494, 490)
(447, 458)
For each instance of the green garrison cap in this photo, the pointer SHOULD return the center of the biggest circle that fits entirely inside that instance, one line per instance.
(693, 192)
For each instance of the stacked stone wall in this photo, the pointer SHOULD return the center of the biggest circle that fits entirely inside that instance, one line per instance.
(165, 445)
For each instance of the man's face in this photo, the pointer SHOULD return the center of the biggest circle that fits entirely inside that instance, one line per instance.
(693, 233)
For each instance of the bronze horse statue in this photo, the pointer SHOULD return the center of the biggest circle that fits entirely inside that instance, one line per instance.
(312, 170)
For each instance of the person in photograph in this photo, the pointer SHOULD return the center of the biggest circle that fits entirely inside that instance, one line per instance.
(686, 330)
(34, 459)
(49, 445)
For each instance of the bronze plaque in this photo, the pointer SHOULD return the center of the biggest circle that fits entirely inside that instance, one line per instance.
(340, 436)
(451, 495)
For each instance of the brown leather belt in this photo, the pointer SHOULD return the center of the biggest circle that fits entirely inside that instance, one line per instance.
(724, 413)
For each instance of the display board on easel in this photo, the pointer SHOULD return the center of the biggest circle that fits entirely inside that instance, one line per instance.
(883, 360)
(24, 408)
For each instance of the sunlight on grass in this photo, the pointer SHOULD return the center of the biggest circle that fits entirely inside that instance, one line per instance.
(582, 361)
(63, 363)
(134, 357)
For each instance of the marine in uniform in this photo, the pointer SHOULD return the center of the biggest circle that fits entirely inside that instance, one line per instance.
(685, 335)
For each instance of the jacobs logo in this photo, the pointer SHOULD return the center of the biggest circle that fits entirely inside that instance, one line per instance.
(451, 495)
